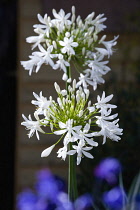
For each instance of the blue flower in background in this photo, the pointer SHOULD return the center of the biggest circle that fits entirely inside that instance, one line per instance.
(108, 169)
(49, 192)
(63, 203)
(84, 202)
(48, 186)
(115, 199)
(26, 200)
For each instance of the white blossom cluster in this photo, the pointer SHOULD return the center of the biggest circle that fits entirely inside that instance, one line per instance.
(67, 38)
(72, 117)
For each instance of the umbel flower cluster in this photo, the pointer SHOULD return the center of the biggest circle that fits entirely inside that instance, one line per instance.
(61, 41)
(67, 39)
(73, 117)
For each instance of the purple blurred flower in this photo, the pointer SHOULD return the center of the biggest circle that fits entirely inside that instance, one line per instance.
(63, 202)
(108, 169)
(115, 199)
(48, 186)
(84, 202)
(26, 200)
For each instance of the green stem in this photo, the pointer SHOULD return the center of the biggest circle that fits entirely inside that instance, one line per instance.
(72, 183)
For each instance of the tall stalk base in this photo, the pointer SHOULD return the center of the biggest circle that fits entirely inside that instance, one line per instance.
(72, 183)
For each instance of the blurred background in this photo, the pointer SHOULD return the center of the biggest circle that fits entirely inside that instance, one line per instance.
(20, 156)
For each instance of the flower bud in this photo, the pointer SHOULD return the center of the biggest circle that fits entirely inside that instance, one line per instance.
(57, 88)
(83, 95)
(83, 50)
(67, 34)
(89, 42)
(78, 19)
(73, 18)
(91, 29)
(69, 88)
(51, 127)
(63, 92)
(73, 9)
(59, 102)
(47, 151)
(80, 113)
(73, 96)
(89, 103)
(63, 101)
(77, 98)
(74, 84)
(69, 80)
(87, 93)
(65, 77)
(54, 44)
(95, 37)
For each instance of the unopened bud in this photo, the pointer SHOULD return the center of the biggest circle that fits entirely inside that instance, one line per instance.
(73, 9)
(47, 151)
(73, 96)
(69, 80)
(67, 34)
(89, 42)
(59, 102)
(89, 121)
(54, 44)
(95, 37)
(80, 113)
(64, 92)
(74, 84)
(83, 50)
(57, 88)
(91, 30)
(65, 77)
(89, 103)
(77, 98)
(87, 93)
(83, 96)
(73, 18)
(51, 127)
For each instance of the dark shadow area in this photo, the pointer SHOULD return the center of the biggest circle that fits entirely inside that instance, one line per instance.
(8, 101)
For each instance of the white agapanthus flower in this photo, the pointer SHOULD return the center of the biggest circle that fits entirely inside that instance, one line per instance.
(67, 39)
(61, 19)
(108, 129)
(42, 103)
(103, 105)
(33, 126)
(73, 117)
(33, 64)
(68, 45)
(93, 78)
(46, 54)
(61, 63)
(81, 150)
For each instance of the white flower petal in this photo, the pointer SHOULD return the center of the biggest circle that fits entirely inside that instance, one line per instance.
(87, 154)
(60, 132)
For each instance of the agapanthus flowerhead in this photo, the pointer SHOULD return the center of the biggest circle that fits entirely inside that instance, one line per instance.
(73, 117)
(67, 39)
